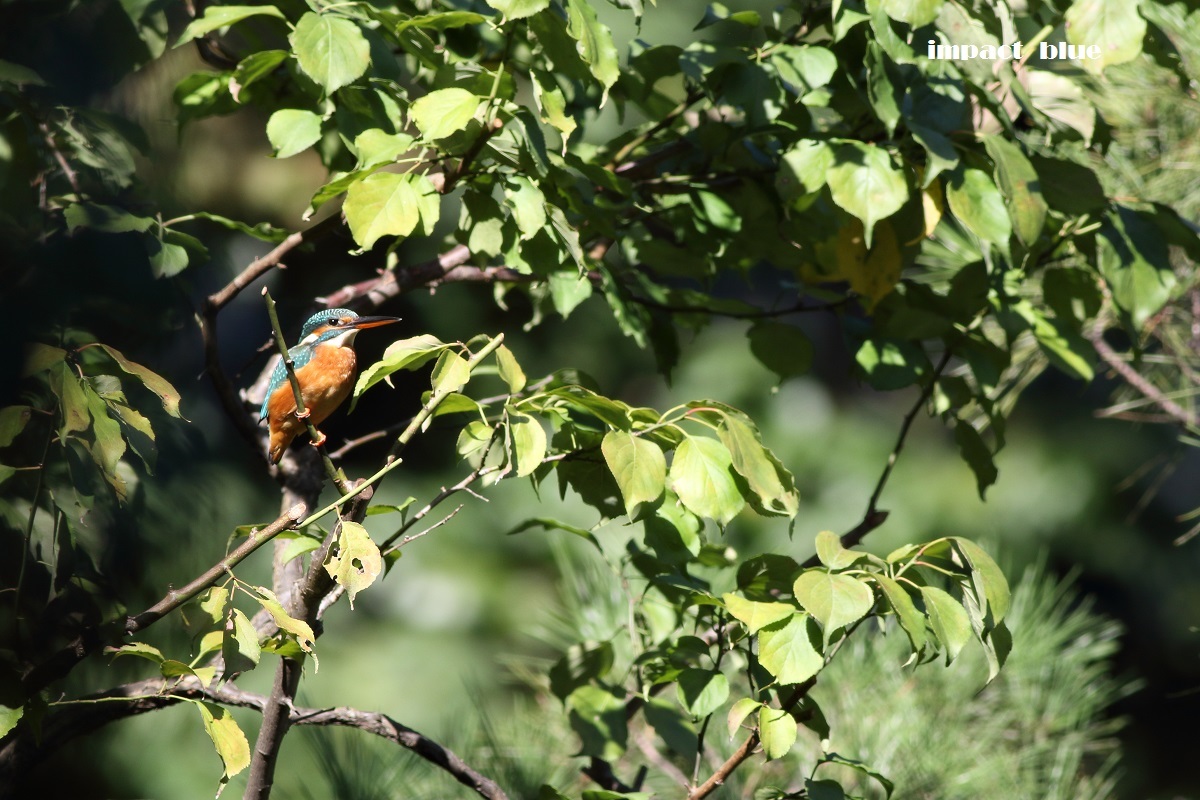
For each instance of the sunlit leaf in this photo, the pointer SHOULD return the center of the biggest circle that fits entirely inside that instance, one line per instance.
(331, 50)
(638, 466)
(357, 562)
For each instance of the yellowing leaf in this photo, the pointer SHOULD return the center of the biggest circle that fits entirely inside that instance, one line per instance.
(874, 272)
(357, 562)
(226, 737)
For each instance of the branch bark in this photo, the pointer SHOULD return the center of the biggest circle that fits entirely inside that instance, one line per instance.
(93, 639)
(93, 712)
(1139, 382)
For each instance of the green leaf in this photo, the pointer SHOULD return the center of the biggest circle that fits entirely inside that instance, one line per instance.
(987, 577)
(914, 12)
(108, 219)
(239, 644)
(151, 380)
(331, 50)
(1134, 261)
(803, 169)
(777, 729)
(510, 371)
(298, 628)
(580, 665)
(864, 183)
(216, 17)
(407, 354)
(786, 649)
(977, 454)
(832, 554)
(754, 462)
(9, 717)
(701, 475)
(639, 467)
(13, 420)
(376, 146)
(756, 615)
(139, 649)
(738, 713)
(214, 603)
(1114, 25)
(833, 599)
(263, 231)
(911, 620)
(598, 717)
(594, 43)
(978, 205)
(357, 562)
(673, 532)
(257, 66)
(226, 737)
(18, 75)
(106, 431)
(41, 357)
(568, 288)
(74, 406)
(528, 443)
(702, 691)
(292, 131)
(884, 96)
(519, 9)
(528, 205)
(551, 103)
(450, 373)
(443, 112)
(1017, 180)
(383, 204)
(948, 619)
(783, 349)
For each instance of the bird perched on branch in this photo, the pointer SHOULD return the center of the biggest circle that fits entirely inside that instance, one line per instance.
(325, 364)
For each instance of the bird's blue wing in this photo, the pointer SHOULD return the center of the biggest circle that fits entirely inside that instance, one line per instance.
(277, 378)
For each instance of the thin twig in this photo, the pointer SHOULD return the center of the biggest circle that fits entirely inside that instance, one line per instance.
(88, 714)
(1137, 381)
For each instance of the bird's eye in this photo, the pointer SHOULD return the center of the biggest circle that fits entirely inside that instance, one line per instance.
(335, 321)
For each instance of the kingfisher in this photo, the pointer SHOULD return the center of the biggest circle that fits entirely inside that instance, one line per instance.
(325, 365)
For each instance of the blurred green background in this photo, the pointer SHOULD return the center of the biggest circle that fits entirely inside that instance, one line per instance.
(468, 608)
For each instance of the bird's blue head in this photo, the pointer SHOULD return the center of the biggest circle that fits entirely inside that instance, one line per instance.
(331, 323)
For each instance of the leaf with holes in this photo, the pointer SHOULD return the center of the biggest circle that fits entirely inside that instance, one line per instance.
(357, 562)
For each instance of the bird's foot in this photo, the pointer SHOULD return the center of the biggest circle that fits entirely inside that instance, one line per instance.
(320, 440)
(305, 414)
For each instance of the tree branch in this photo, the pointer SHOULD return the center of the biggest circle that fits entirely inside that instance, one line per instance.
(95, 638)
(1139, 382)
(747, 747)
(93, 712)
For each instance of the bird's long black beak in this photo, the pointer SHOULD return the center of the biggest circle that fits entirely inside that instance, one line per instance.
(372, 322)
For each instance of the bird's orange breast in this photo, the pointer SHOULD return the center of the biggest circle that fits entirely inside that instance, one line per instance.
(325, 382)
